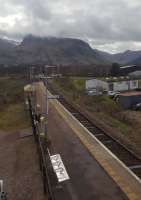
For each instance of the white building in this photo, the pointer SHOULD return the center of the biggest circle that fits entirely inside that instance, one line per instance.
(96, 84)
(115, 84)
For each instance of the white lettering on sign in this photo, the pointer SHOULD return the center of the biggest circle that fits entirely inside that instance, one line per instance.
(59, 168)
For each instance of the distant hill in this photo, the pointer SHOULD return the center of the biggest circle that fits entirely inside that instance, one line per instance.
(6, 45)
(53, 51)
(57, 51)
(6, 51)
(60, 51)
(106, 56)
(127, 57)
(137, 61)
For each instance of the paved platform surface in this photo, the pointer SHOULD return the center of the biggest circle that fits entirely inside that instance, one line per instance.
(127, 181)
(88, 180)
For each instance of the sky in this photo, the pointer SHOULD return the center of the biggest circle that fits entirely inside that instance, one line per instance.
(109, 25)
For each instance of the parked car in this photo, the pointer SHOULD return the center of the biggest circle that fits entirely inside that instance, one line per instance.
(116, 96)
(137, 106)
(111, 94)
(91, 92)
(117, 99)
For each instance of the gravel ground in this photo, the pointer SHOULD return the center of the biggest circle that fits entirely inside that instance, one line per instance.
(19, 167)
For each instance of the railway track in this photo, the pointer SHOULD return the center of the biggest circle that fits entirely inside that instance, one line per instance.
(130, 159)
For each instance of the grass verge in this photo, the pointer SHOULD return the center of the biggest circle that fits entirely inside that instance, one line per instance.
(14, 117)
(12, 113)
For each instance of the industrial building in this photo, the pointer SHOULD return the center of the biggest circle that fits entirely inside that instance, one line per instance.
(112, 84)
(135, 74)
(129, 99)
(124, 70)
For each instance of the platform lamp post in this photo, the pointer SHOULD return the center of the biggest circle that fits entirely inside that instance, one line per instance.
(47, 98)
(46, 111)
(32, 80)
(46, 104)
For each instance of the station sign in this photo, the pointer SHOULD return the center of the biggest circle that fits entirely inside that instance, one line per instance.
(59, 168)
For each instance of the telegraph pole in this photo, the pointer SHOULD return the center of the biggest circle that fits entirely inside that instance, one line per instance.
(47, 98)
(46, 111)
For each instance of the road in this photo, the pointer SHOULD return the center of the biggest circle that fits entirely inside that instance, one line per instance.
(88, 180)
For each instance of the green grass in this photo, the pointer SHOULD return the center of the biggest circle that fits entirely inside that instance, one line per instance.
(11, 89)
(105, 108)
(124, 128)
(79, 84)
(115, 123)
(102, 106)
(71, 84)
(14, 117)
(102, 103)
(12, 113)
(140, 83)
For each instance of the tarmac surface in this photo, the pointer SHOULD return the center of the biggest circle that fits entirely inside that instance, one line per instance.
(88, 180)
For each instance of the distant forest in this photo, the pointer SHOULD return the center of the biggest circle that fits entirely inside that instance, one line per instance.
(90, 70)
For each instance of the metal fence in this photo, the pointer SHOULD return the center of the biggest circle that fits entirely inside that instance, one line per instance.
(48, 175)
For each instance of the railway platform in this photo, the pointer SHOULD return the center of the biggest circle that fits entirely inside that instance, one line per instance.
(95, 173)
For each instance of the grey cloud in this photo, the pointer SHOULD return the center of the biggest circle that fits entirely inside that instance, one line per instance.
(109, 24)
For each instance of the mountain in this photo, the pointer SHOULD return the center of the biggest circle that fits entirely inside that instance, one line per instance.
(6, 51)
(13, 42)
(137, 61)
(6, 45)
(106, 56)
(57, 51)
(48, 50)
(60, 51)
(124, 58)
(127, 57)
